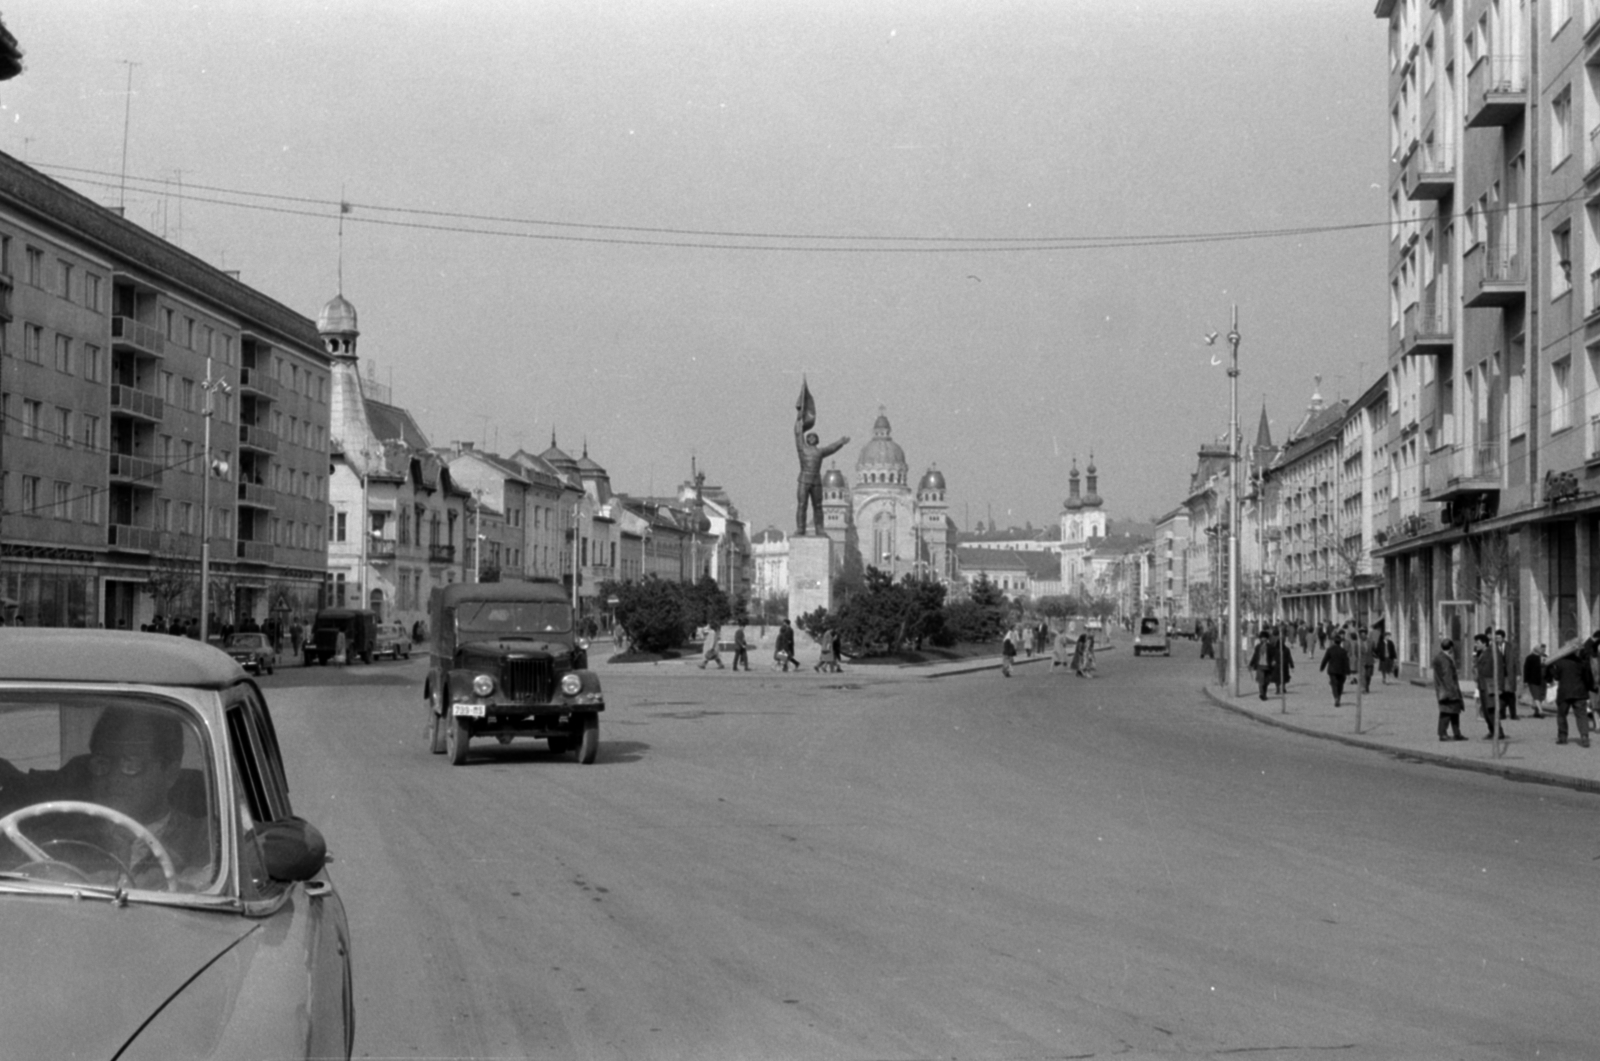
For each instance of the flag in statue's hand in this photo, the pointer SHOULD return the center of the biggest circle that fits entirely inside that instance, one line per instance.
(806, 406)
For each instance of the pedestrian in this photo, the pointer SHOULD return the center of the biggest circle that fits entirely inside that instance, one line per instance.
(1533, 677)
(1079, 651)
(1483, 672)
(1008, 652)
(297, 634)
(1336, 662)
(825, 660)
(1388, 656)
(1061, 651)
(1447, 690)
(741, 649)
(1258, 662)
(783, 652)
(1365, 659)
(1208, 641)
(1569, 672)
(1508, 677)
(709, 649)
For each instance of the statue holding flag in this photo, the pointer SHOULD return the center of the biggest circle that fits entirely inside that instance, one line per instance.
(811, 454)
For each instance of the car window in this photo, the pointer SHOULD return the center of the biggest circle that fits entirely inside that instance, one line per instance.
(1149, 626)
(127, 759)
(513, 617)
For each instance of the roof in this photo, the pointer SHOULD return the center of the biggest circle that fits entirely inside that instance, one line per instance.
(392, 422)
(56, 654)
(457, 592)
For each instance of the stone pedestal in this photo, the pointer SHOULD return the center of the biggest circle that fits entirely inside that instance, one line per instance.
(810, 576)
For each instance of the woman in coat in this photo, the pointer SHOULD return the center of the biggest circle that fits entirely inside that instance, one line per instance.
(1447, 690)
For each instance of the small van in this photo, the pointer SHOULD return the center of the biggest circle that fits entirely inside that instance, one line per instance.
(1150, 636)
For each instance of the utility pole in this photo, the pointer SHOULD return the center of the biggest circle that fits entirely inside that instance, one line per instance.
(210, 386)
(1235, 629)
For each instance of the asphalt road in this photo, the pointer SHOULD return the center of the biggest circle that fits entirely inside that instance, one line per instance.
(806, 866)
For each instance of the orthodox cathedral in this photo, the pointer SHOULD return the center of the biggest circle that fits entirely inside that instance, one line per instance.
(892, 526)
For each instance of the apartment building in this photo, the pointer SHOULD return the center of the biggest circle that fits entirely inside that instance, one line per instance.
(121, 355)
(1494, 346)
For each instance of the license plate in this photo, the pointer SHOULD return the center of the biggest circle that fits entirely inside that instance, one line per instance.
(467, 710)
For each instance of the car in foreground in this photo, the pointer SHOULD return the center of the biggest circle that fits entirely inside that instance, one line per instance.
(1150, 637)
(507, 662)
(158, 896)
(253, 652)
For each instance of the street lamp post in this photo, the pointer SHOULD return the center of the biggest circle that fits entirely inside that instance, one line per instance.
(211, 386)
(1235, 631)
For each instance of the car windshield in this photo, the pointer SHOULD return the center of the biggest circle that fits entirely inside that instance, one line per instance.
(513, 618)
(248, 641)
(1149, 626)
(88, 780)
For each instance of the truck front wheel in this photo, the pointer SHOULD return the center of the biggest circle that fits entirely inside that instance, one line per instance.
(589, 742)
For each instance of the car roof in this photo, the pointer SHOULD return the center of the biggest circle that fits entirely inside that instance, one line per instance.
(457, 592)
(54, 654)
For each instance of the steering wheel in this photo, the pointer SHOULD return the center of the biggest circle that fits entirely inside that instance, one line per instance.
(8, 826)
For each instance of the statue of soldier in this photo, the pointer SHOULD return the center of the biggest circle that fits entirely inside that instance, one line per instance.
(811, 454)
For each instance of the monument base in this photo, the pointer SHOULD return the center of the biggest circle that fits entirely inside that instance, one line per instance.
(810, 575)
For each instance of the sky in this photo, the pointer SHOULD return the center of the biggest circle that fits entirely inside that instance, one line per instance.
(639, 224)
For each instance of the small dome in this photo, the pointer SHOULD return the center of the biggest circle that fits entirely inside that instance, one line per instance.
(882, 453)
(337, 316)
(932, 479)
(833, 479)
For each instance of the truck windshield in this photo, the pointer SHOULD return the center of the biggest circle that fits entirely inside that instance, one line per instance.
(513, 617)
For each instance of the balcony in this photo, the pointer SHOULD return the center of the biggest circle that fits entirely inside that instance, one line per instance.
(380, 550)
(1497, 92)
(134, 471)
(256, 437)
(256, 381)
(441, 554)
(130, 401)
(138, 336)
(1430, 172)
(1469, 471)
(1425, 329)
(257, 495)
(1497, 274)
(132, 539)
(253, 552)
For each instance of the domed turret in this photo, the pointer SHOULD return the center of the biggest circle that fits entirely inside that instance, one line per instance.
(833, 479)
(338, 316)
(932, 481)
(882, 461)
(1073, 502)
(1091, 496)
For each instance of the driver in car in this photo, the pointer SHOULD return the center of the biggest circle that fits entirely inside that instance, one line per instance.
(135, 760)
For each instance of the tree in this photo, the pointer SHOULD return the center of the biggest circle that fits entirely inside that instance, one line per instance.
(705, 604)
(651, 611)
(174, 576)
(979, 618)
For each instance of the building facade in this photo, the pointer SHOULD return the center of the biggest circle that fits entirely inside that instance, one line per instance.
(121, 358)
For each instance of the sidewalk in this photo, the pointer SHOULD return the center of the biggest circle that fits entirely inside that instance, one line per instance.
(1402, 717)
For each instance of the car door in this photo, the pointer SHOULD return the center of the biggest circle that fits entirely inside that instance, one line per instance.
(313, 917)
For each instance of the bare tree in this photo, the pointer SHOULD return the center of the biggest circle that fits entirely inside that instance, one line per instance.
(174, 579)
(1495, 561)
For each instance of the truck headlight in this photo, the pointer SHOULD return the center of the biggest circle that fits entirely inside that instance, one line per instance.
(571, 684)
(482, 685)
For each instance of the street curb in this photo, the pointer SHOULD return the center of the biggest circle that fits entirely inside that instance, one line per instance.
(1511, 773)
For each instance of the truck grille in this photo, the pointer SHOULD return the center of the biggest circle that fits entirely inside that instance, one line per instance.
(529, 680)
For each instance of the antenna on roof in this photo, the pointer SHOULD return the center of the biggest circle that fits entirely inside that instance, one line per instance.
(127, 118)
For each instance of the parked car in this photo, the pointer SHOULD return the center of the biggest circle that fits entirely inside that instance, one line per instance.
(1150, 637)
(352, 631)
(220, 935)
(393, 640)
(253, 651)
(507, 662)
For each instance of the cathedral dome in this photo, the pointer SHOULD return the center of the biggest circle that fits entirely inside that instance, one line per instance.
(337, 316)
(932, 479)
(883, 453)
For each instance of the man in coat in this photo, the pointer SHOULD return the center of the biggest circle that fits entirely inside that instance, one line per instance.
(784, 650)
(1447, 690)
(1569, 672)
(1336, 662)
(1258, 662)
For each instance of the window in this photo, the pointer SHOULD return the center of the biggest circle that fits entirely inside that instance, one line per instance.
(30, 495)
(163, 514)
(33, 343)
(62, 428)
(64, 353)
(1561, 127)
(338, 527)
(64, 279)
(168, 324)
(94, 367)
(89, 431)
(31, 411)
(35, 266)
(91, 291)
(188, 456)
(1560, 395)
(186, 517)
(62, 500)
(1561, 261)
(89, 505)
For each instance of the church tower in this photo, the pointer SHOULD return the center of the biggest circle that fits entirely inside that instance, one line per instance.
(347, 408)
(933, 524)
(835, 506)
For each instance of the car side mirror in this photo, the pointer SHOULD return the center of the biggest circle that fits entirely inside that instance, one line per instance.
(292, 849)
